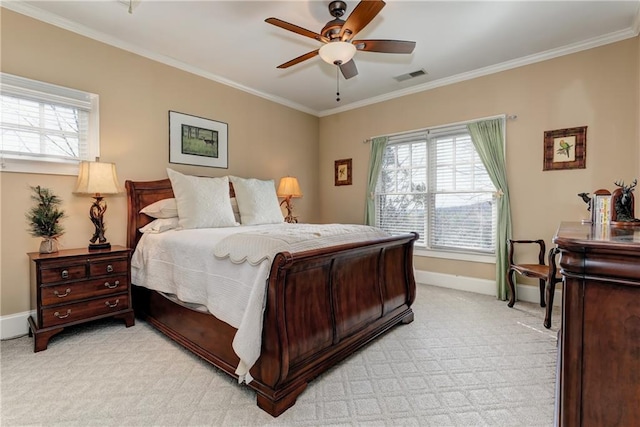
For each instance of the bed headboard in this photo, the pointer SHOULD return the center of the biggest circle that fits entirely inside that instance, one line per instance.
(141, 194)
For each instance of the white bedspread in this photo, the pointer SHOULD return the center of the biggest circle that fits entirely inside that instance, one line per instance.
(256, 246)
(184, 263)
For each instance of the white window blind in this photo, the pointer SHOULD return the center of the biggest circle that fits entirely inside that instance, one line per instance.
(434, 183)
(46, 128)
(401, 196)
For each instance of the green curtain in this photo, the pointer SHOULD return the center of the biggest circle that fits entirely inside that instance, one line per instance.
(378, 145)
(487, 137)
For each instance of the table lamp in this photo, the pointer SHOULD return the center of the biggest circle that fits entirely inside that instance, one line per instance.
(97, 179)
(289, 188)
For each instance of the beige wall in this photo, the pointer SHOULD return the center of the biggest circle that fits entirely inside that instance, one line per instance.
(597, 88)
(266, 140)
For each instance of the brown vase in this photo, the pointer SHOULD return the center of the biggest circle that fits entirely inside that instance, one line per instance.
(48, 245)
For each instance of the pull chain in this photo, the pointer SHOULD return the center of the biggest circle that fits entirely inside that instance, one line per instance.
(338, 83)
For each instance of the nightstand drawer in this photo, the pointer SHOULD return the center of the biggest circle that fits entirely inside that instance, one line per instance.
(64, 273)
(84, 310)
(60, 294)
(109, 267)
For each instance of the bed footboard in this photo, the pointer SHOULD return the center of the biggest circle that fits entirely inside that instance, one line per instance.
(323, 305)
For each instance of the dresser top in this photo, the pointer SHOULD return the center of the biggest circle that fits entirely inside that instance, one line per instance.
(572, 234)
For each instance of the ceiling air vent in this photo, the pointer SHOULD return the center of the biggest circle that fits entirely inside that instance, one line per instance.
(411, 75)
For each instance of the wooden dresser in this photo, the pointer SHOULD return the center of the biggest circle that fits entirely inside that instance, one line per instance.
(77, 285)
(599, 349)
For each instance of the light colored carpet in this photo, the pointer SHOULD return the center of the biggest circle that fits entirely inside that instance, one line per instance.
(466, 360)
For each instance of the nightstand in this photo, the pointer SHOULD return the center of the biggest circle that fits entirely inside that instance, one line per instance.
(74, 286)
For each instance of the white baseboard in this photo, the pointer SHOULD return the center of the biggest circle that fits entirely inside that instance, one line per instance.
(15, 325)
(481, 286)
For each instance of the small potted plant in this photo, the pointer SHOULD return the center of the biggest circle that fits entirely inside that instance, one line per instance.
(44, 219)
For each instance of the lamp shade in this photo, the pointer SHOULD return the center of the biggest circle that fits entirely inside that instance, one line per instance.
(337, 53)
(97, 178)
(289, 187)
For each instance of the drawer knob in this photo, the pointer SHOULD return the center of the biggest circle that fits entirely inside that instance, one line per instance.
(109, 268)
(108, 304)
(65, 274)
(59, 295)
(62, 316)
(110, 286)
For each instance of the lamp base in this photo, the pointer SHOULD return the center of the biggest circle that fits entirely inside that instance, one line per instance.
(291, 219)
(98, 246)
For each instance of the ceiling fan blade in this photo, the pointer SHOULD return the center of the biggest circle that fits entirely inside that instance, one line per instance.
(364, 12)
(299, 59)
(349, 69)
(385, 46)
(298, 30)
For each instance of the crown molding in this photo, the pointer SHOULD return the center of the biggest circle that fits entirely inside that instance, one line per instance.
(41, 15)
(19, 6)
(504, 66)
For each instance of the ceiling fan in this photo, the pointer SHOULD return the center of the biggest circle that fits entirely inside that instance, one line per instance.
(337, 36)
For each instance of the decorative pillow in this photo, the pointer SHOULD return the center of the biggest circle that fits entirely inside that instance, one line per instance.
(165, 208)
(202, 202)
(257, 201)
(160, 225)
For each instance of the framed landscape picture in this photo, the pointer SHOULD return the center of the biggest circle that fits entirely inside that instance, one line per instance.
(197, 141)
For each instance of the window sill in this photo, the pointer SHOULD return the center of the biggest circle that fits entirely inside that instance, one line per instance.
(458, 256)
(38, 167)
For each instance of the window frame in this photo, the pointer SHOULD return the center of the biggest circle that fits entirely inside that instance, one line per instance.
(49, 94)
(430, 136)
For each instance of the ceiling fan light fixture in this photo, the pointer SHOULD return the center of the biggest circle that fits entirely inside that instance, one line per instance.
(337, 52)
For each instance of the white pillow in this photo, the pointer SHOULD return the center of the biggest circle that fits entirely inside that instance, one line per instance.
(165, 208)
(202, 202)
(257, 201)
(160, 225)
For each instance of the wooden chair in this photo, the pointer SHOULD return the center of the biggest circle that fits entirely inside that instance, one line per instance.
(547, 274)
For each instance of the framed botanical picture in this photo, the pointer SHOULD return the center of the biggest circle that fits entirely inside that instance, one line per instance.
(197, 141)
(342, 172)
(565, 149)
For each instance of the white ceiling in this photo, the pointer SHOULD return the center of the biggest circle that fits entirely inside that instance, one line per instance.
(228, 41)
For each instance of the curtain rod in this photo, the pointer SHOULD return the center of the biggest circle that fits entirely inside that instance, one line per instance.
(505, 116)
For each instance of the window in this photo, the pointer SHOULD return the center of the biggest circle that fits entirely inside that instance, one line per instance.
(46, 128)
(434, 182)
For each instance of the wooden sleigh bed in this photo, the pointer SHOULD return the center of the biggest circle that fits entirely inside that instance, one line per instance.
(321, 306)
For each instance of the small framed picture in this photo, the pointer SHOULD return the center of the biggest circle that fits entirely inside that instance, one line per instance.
(343, 172)
(197, 141)
(565, 149)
